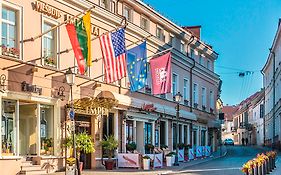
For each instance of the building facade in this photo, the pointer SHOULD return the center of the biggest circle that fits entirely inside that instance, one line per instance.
(228, 125)
(35, 96)
(272, 83)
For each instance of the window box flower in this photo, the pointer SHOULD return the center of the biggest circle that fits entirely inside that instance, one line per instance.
(185, 101)
(10, 51)
(49, 61)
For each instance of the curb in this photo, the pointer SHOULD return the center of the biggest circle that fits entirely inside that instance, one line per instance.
(181, 169)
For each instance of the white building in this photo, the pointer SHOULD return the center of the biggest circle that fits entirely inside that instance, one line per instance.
(272, 86)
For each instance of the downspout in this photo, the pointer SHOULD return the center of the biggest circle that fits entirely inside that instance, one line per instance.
(263, 110)
(193, 65)
(190, 86)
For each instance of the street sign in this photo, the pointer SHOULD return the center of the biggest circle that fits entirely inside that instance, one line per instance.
(71, 114)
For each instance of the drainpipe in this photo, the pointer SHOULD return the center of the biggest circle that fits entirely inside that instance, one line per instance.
(193, 65)
(273, 91)
(263, 111)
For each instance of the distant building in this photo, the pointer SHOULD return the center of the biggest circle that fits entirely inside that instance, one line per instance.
(227, 126)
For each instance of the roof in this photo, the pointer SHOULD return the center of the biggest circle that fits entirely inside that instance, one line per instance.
(229, 111)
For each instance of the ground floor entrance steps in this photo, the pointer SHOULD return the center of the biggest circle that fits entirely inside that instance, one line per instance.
(27, 168)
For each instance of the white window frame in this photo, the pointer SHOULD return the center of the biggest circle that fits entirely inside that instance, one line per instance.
(109, 4)
(56, 39)
(176, 84)
(130, 12)
(162, 35)
(19, 27)
(186, 88)
(146, 28)
(204, 96)
(182, 47)
(195, 93)
(212, 99)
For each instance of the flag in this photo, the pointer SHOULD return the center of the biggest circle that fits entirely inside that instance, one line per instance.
(136, 66)
(80, 38)
(114, 55)
(161, 74)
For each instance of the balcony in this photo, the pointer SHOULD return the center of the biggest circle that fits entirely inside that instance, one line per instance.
(244, 125)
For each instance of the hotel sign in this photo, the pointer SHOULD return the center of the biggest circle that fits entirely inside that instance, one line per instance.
(46, 9)
(30, 88)
(91, 111)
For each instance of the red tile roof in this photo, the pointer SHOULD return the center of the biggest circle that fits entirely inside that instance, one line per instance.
(228, 112)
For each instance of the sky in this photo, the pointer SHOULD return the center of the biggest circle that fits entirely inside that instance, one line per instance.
(241, 31)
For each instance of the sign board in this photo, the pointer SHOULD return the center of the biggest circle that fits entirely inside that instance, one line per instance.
(191, 155)
(46, 9)
(158, 159)
(207, 151)
(30, 88)
(127, 160)
(71, 114)
(181, 155)
(199, 151)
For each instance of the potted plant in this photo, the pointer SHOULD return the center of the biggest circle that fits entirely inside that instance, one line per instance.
(149, 148)
(84, 144)
(169, 161)
(131, 147)
(173, 154)
(146, 162)
(162, 147)
(109, 144)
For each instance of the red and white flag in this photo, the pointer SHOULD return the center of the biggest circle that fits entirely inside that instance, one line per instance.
(114, 55)
(161, 74)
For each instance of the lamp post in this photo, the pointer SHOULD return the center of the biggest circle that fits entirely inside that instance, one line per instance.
(178, 97)
(70, 79)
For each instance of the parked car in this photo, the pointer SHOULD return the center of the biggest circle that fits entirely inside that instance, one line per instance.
(228, 142)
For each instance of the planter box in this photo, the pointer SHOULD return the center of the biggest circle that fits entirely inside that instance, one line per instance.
(146, 164)
(199, 151)
(181, 155)
(169, 160)
(157, 160)
(191, 154)
(128, 160)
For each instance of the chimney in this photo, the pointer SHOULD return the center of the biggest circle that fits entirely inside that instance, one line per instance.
(195, 30)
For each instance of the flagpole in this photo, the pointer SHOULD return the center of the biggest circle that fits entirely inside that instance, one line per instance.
(56, 26)
(160, 52)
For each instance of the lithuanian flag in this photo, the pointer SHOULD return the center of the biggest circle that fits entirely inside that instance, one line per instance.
(80, 38)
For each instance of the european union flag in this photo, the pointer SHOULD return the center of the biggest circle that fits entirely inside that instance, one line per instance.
(137, 66)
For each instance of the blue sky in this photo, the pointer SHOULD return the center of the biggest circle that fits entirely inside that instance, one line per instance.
(241, 31)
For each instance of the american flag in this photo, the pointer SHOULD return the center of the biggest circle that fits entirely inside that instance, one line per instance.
(114, 55)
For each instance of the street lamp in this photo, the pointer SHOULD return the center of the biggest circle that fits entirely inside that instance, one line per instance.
(70, 79)
(177, 97)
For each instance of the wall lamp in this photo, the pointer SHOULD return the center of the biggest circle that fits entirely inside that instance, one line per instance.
(3, 79)
(61, 93)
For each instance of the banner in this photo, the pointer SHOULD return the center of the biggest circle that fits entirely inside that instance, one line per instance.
(158, 161)
(191, 155)
(199, 151)
(207, 151)
(128, 160)
(161, 74)
(181, 155)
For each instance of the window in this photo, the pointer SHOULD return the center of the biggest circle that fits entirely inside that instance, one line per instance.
(208, 64)
(212, 105)
(105, 4)
(172, 41)
(185, 134)
(180, 133)
(194, 137)
(195, 95)
(47, 129)
(175, 84)
(201, 60)
(49, 45)
(9, 32)
(185, 91)
(191, 53)
(128, 13)
(129, 131)
(203, 98)
(160, 33)
(174, 136)
(203, 137)
(144, 23)
(182, 47)
(147, 135)
(261, 110)
(8, 127)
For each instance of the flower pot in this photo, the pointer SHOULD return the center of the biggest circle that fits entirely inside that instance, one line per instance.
(109, 164)
(169, 160)
(146, 164)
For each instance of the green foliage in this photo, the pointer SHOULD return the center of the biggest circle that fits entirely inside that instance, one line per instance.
(83, 141)
(131, 146)
(163, 147)
(180, 145)
(47, 143)
(146, 157)
(170, 154)
(149, 148)
(109, 144)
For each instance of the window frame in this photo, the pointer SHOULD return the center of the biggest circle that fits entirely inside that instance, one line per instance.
(176, 84)
(204, 96)
(162, 35)
(130, 12)
(109, 4)
(212, 99)
(195, 94)
(148, 23)
(19, 26)
(182, 47)
(56, 41)
(172, 40)
(186, 96)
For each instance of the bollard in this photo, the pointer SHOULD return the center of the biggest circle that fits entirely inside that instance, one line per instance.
(263, 169)
(266, 167)
(270, 164)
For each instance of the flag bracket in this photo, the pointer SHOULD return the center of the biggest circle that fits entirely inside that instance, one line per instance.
(28, 63)
(90, 80)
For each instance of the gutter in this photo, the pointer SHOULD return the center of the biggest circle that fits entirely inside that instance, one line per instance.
(263, 110)
(193, 65)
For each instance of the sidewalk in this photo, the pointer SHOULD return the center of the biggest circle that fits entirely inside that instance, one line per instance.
(157, 171)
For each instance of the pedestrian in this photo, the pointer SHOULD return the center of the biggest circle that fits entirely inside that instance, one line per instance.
(243, 140)
(246, 140)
